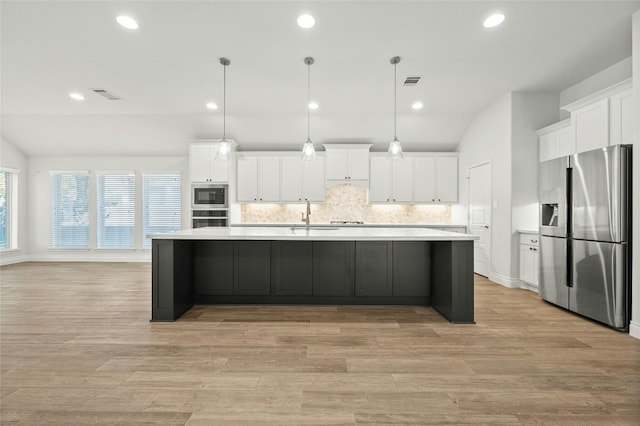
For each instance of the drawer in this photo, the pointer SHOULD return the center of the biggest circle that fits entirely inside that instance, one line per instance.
(530, 239)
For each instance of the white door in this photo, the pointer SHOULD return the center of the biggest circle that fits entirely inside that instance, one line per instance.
(380, 180)
(269, 179)
(314, 180)
(247, 185)
(290, 179)
(480, 216)
(199, 163)
(402, 181)
(424, 179)
(359, 164)
(218, 169)
(447, 179)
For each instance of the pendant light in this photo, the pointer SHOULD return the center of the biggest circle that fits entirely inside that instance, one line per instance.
(224, 151)
(308, 150)
(395, 149)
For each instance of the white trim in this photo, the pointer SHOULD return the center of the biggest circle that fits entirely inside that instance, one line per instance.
(468, 179)
(76, 249)
(108, 257)
(9, 170)
(115, 172)
(634, 329)
(531, 287)
(553, 127)
(599, 95)
(504, 280)
(60, 172)
(11, 259)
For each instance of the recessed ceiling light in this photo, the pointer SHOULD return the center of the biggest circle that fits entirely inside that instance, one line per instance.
(417, 105)
(493, 20)
(313, 105)
(211, 105)
(76, 96)
(306, 21)
(127, 22)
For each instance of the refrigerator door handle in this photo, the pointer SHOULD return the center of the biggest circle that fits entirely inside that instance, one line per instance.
(568, 202)
(569, 256)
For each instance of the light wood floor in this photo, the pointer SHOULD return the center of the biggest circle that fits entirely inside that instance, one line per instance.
(78, 348)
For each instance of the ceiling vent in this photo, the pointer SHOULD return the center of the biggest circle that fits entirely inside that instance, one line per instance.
(106, 94)
(411, 81)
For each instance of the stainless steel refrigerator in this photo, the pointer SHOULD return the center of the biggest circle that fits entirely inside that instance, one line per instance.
(585, 233)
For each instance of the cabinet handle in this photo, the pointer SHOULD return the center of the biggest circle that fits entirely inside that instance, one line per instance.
(535, 249)
(534, 241)
(433, 199)
(387, 200)
(394, 200)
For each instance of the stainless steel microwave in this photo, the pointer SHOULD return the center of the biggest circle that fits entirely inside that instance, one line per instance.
(208, 196)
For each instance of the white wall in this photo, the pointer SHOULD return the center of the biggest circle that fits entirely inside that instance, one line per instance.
(635, 279)
(40, 202)
(11, 157)
(488, 139)
(605, 78)
(529, 112)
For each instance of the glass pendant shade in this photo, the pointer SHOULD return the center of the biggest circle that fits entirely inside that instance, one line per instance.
(395, 149)
(224, 151)
(308, 151)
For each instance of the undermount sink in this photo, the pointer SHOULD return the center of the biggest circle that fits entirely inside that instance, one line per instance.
(314, 228)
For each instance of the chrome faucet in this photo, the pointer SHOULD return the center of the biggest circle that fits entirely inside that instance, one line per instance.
(306, 219)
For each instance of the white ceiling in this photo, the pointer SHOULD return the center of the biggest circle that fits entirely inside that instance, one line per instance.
(168, 69)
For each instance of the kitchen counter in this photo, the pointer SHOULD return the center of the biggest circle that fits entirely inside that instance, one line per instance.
(316, 233)
(352, 225)
(338, 266)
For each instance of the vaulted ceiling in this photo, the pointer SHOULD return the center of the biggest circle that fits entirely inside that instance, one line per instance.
(167, 70)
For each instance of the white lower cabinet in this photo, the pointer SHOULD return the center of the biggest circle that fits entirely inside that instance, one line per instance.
(258, 179)
(529, 260)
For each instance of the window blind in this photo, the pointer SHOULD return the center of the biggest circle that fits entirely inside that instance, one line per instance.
(161, 204)
(5, 209)
(70, 209)
(116, 210)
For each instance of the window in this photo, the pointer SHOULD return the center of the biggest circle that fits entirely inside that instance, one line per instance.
(70, 209)
(161, 205)
(116, 212)
(8, 209)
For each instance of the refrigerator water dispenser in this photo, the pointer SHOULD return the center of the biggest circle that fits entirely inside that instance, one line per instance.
(550, 214)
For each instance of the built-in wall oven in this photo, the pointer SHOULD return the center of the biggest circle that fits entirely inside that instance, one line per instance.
(209, 217)
(209, 196)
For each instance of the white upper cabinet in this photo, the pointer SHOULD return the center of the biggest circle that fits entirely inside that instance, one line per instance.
(258, 179)
(599, 120)
(621, 118)
(414, 179)
(301, 180)
(203, 166)
(591, 126)
(347, 163)
(435, 180)
(556, 140)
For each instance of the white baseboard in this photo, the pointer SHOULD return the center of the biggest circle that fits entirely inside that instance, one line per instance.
(10, 260)
(530, 287)
(634, 329)
(504, 280)
(112, 257)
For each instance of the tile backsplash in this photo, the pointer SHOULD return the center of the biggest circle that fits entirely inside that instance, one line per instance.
(349, 203)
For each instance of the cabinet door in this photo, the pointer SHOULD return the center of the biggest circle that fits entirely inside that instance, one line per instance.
(411, 262)
(380, 180)
(269, 179)
(247, 185)
(621, 118)
(218, 169)
(337, 164)
(591, 126)
(213, 267)
(314, 180)
(424, 183)
(402, 180)
(447, 179)
(332, 268)
(373, 268)
(291, 179)
(565, 142)
(548, 146)
(252, 275)
(529, 264)
(359, 164)
(199, 163)
(292, 268)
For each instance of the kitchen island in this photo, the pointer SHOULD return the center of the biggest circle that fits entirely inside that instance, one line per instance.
(320, 265)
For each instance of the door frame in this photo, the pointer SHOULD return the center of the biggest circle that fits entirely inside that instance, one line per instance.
(468, 178)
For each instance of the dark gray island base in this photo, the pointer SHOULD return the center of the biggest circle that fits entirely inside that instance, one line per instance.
(425, 273)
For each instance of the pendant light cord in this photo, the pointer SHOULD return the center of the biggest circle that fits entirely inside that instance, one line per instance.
(224, 102)
(308, 102)
(395, 101)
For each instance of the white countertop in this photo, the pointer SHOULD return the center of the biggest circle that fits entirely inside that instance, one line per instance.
(353, 225)
(318, 234)
(528, 231)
